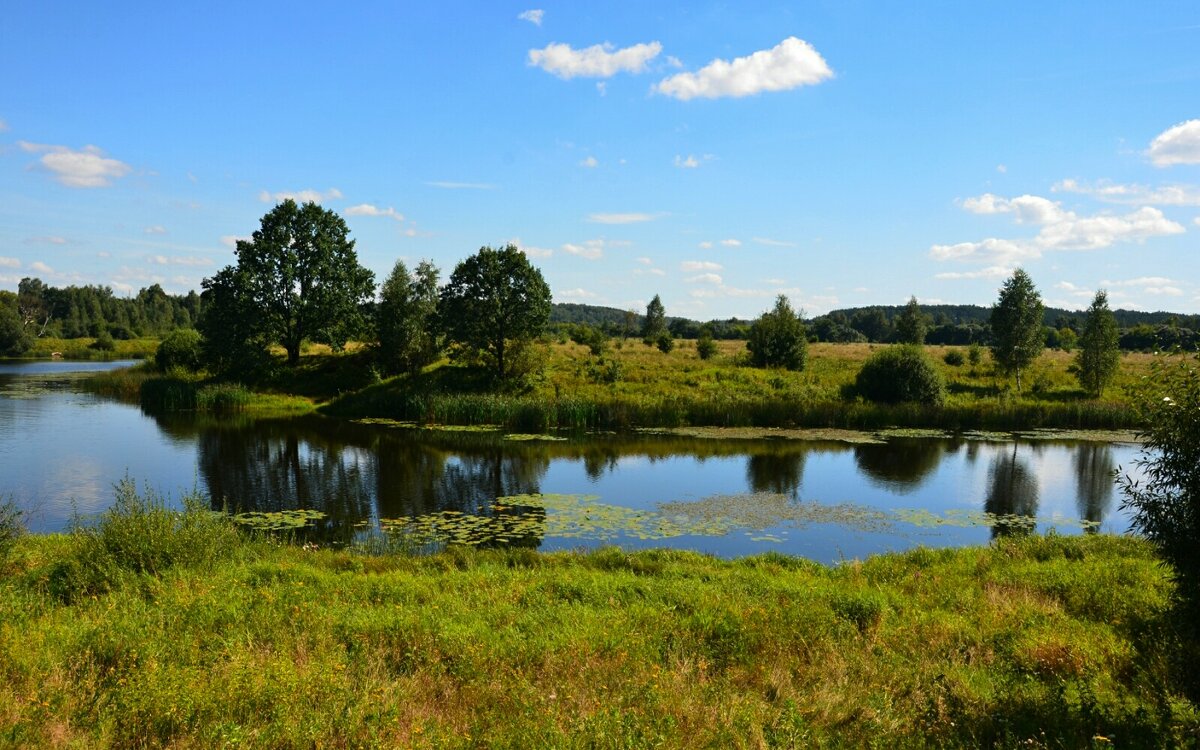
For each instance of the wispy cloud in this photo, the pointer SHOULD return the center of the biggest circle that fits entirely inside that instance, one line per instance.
(788, 65)
(85, 168)
(366, 209)
(731, 242)
(700, 265)
(1110, 192)
(51, 239)
(1179, 144)
(689, 162)
(597, 61)
(773, 243)
(176, 260)
(9, 262)
(705, 278)
(533, 16)
(627, 218)
(231, 240)
(3, 126)
(156, 229)
(300, 196)
(590, 163)
(589, 250)
(576, 294)
(447, 185)
(991, 272)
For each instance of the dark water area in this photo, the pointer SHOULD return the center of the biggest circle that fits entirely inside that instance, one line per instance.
(62, 450)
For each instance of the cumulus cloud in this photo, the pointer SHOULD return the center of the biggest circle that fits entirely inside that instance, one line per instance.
(991, 272)
(688, 162)
(589, 250)
(706, 245)
(300, 196)
(156, 229)
(231, 240)
(1110, 192)
(1176, 145)
(700, 265)
(589, 162)
(366, 209)
(1060, 229)
(597, 61)
(1074, 290)
(9, 262)
(577, 293)
(85, 168)
(531, 252)
(790, 64)
(533, 16)
(40, 267)
(629, 218)
(705, 278)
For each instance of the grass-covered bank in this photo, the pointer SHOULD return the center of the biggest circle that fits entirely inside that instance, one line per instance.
(178, 390)
(172, 630)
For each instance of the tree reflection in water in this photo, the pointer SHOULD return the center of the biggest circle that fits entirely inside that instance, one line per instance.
(1012, 494)
(1095, 473)
(780, 473)
(901, 464)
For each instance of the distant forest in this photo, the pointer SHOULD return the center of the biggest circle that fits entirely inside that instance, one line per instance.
(92, 311)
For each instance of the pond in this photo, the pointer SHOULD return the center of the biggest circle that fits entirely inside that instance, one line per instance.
(61, 451)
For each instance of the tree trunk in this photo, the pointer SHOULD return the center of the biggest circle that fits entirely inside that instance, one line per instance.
(293, 353)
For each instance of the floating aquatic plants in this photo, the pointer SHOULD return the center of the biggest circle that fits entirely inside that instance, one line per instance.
(279, 520)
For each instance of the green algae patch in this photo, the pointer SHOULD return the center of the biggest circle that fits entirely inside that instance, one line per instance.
(408, 424)
(815, 434)
(1085, 436)
(520, 437)
(279, 520)
(962, 518)
(757, 511)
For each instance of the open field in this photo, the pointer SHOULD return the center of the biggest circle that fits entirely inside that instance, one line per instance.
(189, 635)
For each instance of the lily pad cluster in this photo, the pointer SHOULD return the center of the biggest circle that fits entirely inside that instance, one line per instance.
(279, 520)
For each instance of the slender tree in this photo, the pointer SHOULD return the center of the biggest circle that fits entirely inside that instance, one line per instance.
(777, 338)
(655, 323)
(911, 324)
(494, 300)
(1098, 357)
(1017, 338)
(406, 318)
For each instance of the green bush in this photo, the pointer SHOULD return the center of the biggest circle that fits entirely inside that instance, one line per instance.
(11, 526)
(706, 347)
(665, 342)
(900, 374)
(104, 342)
(179, 348)
(954, 358)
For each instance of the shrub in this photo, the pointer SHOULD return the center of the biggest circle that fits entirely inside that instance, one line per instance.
(954, 358)
(706, 347)
(665, 342)
(104, 342)
(179, 348)
(974, 354)
(900, 374)
(777, 338)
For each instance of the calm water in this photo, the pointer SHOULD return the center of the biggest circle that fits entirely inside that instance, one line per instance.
(62, 450)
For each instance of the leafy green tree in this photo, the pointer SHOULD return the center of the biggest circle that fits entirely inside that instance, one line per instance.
(1017, 325)
(655, 322)
(494, 299)
(1098, 358)
(911, 324)
(179, 348)
(406, 318)
(665, 342)
(233, 341)
(705, 346)
(14, 339)
(301, 279)
(777, 338)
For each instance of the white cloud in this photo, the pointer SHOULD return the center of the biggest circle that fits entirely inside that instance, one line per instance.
(9, 262)
(300, 196)
(773, 243)
(788, 65)
(1168, 291)
(447, 185)
(690, 162)
(156, 229)
(701, 265)
(644, 261)
(366, 209)
(589, 162)
(649, 271)
(1059, 229)
(602, 87)
(1001, 169)
(1179, 144)
(1109, 192)
(3, 126)
(231, 240)
(86, 168)
(1196, 221)
(533, 16)
(991, 272)
(589, 250)
(46, 240)
(597, 61)
(630, 218)
(533, 252)
(577, 293)
(40, 267)
(708, 245)
(103, 254)
(705, 278)
(1073, 290)
(731, 243)
(178, 260)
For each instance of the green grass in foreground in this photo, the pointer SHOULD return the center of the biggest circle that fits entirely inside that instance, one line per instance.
(157, 629)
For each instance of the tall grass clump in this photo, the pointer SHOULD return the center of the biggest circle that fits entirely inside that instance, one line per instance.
(141, 534)
(12, 525)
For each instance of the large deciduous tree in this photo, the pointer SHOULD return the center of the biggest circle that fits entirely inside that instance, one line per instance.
(406, 318)
(655, 323)
(494, 300)
(301, 279)
(1099, 357)
(1017, 338)
(911, 324)
(777, 338)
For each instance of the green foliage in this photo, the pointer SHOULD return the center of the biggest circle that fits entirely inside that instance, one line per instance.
(1067, 339)
(974, 354)
(954, 358)
(1017, 325)
(1165, 502)
(179, 348)
(911, 324)
(901, 374)
(406, 318)
(233, 342)
(655, 322)
(495, 301)
(12, 525)
(777, 338)
(705, 346)
(104, 342)
(297, 278)
(590, 336)
(665, 342)
(14, 340)
(1098, 358)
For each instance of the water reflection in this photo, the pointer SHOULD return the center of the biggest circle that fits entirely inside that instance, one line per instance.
(902, 464)
(1012, 493)
(780, 473)
(1095, 472)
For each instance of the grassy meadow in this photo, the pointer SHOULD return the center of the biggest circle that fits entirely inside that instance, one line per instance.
(154, 628)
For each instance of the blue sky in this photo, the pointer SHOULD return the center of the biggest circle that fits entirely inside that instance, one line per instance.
(717, 154)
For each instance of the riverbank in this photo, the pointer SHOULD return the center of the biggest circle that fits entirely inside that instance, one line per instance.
(189, 634)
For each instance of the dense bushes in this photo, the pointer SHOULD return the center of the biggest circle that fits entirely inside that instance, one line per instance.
(179, 348)
(900, 374)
